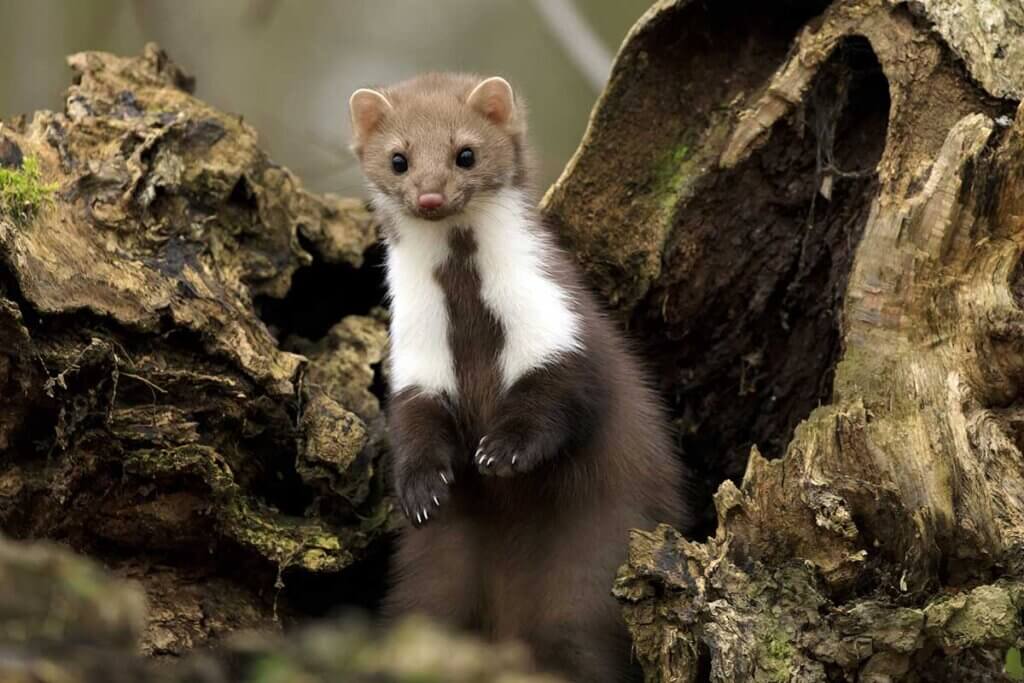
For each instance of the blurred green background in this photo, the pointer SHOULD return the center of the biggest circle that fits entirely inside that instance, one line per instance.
(288, 66)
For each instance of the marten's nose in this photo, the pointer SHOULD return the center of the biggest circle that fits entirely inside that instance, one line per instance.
(431, 200)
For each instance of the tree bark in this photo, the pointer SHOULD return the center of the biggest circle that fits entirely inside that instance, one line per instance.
(148, 415)
(825, 223)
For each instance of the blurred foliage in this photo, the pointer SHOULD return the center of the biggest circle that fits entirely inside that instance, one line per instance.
(1014, 665)
(63, 618)
(288, 67)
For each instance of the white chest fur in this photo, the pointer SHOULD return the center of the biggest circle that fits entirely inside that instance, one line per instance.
(536, 313)
(421, 356)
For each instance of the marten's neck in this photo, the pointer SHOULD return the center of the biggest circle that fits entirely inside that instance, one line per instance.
(520, 288)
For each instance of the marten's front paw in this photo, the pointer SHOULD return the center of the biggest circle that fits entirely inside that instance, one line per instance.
(504, 454)
(423, 491)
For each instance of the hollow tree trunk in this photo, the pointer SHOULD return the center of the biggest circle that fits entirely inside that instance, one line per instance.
(814, 213)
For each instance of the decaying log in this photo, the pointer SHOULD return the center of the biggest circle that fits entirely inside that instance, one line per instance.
(148, 417)
(826, 221)
(64, 619)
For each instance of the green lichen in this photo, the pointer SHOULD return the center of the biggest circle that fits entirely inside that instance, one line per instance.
(22, 191)
(199, 461)
(684, 163)
(283, 539)
(671, 175)
(986, 617)
(777, 657)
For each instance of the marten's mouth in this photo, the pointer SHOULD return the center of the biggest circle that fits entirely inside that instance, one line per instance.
(436, 214)
(432, 214)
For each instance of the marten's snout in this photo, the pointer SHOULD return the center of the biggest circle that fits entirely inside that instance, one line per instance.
(430, 201)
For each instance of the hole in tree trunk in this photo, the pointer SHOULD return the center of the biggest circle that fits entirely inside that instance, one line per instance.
(359, 587)
(745, 321)
(323, 293)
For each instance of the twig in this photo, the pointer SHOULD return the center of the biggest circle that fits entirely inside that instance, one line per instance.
(144, 381)
(578, 39)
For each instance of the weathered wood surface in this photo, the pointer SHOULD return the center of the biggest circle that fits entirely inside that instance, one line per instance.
(148, 417)
(826, 229)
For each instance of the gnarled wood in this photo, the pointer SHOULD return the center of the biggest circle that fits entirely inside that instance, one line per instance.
(883, 541)
(148, 415)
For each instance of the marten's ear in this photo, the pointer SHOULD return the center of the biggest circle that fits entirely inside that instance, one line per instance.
(367, 108)
(494, 99)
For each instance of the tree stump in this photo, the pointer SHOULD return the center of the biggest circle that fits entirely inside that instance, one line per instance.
(813, 213)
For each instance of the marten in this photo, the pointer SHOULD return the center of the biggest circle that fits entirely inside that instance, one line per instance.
(525, 440)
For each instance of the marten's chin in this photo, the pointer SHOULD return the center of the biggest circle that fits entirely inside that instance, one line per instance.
(437, 214)
(431, 214)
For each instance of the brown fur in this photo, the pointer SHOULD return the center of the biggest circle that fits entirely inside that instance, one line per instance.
(531, 553)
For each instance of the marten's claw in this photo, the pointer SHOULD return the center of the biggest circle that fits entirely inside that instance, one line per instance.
(423, 493)
(480, 456)
(503, 456)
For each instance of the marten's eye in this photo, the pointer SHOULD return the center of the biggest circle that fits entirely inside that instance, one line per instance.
(465, 158)
(399, 164)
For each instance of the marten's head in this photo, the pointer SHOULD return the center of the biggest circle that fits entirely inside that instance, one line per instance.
(430, 145)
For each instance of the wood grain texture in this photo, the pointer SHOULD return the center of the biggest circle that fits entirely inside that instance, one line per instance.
(871, 528)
